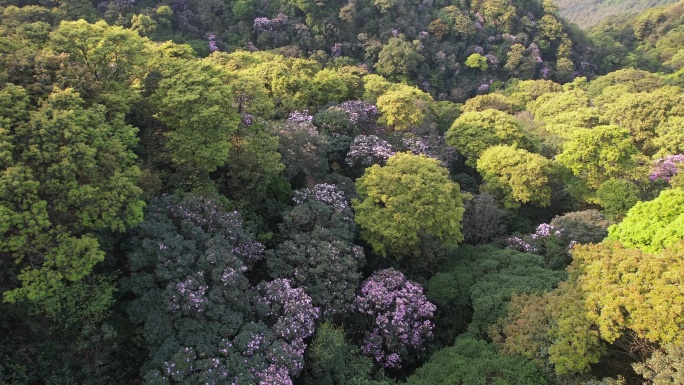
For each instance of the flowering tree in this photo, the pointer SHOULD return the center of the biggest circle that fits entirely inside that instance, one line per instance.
(301, 146)
(202, 320)
(399, 316)
(364, 115)
(432, 146)
(319, 255)
(667, 167)
(547, 241)
(588, 226)
(322, 208)
(368, 150)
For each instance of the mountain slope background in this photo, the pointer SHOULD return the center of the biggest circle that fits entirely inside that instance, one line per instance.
(587, 13)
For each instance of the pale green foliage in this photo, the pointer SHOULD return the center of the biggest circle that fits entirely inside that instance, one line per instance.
(409, 197)
(653, 225)
(73, 174)
(575, 344)
(613, 293)
(329, 87)
(143, 24)
(599, 154)
(194, 100)
(526, 91)
(633, 80)
(112, 55)
(289, 81)
(375, 86)
(403, 107)
(641, 113)
(516, 175)
(477, 61)
(519, 62)
(565, 112)
(550, 28)
(491, 101)
(670, 136)
(631, 290)
(475, 131)
(109, 52)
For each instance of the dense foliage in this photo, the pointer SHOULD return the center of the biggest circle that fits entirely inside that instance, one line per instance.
(343, 192)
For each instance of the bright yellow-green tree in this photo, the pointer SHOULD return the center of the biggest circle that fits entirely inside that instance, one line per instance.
(409, 197)
(516, 176)
(599, 154)
(653, 225)
(194, 100)
(71, 177)
(630, 291)
(475, 131)
(403, 107)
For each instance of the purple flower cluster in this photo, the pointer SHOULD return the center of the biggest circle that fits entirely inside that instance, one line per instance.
(336, 50)
(189, 295)
(211, 218)
(325, 193)
(211, 40)
(426, 4)
(246, 119)
(265, 24)
(327, 268)
(274, 375)
(545, 72)
(294, 315)
(533, 243)
(667, 167)
(533, 50)
(477, 49)
(483, 88)
(368, 150)
(544, 230)
(300, 117)
(249, 46)
(400, 315)
(517, 243)
(361, 113)
(431, 146)
(492, 59)
(508, 37)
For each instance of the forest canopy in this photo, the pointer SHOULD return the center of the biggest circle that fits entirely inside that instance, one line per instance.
(367, 193)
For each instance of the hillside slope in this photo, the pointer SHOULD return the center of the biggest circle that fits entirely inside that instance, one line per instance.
(587, 13)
